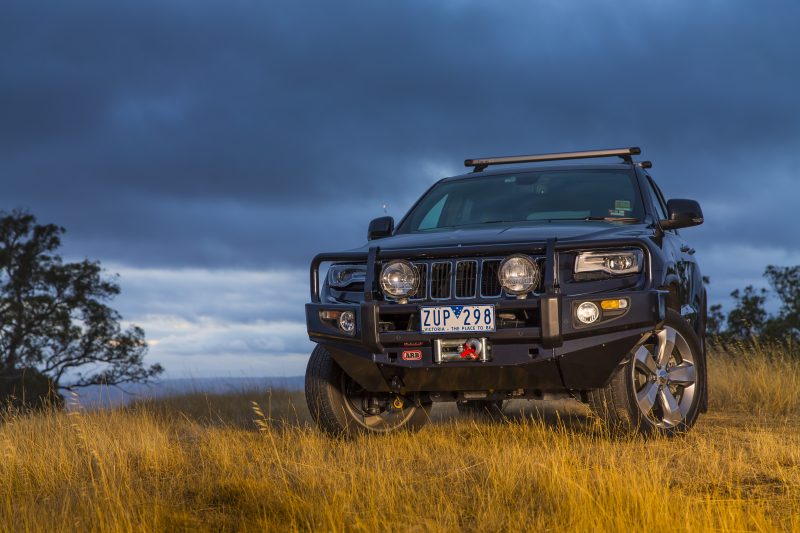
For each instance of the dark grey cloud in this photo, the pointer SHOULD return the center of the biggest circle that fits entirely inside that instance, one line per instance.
(254, 134)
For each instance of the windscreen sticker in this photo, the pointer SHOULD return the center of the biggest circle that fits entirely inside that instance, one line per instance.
(622, 205)
(616, 212)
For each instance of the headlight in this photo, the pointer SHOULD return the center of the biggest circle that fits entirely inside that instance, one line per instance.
(343, 275)
(615, 263)
(518, 274)
(399, 279)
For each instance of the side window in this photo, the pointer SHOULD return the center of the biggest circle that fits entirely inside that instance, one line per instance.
(658, 202)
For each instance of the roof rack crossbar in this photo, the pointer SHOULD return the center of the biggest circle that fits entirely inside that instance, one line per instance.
(482, 164)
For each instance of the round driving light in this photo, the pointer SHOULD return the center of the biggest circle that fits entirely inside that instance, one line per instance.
(518, 274)
(399, 279)
(587, 312)
(347, 322)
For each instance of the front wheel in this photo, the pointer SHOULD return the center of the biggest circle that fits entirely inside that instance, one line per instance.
(340, 406)
(660, 386)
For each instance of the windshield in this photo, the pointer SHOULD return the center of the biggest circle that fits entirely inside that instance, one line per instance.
(532, 196)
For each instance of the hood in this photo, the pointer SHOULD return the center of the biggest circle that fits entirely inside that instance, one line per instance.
(523, 232)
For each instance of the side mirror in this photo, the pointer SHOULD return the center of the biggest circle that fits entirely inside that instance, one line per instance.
(380, 227)
(682, 214)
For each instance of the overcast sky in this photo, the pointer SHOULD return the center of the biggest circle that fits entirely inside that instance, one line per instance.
(205, 151)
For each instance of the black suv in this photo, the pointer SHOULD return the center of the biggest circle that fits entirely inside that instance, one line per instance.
(537, 282)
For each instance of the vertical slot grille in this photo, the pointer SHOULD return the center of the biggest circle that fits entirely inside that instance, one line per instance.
(490, 285)
(461, 278)
(440, 280)
(422, 292)
(466, 277)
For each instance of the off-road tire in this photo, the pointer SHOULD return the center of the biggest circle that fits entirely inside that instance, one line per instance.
(616, 404)
(327, 402)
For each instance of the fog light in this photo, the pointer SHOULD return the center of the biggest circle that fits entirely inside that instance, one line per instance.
(347, 322)
(610, 305)
(587, 312)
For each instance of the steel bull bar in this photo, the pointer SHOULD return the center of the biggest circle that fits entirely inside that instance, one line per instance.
(550, 301)
(548, 357)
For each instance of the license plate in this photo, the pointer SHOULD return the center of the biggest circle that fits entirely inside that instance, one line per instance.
(457, 318)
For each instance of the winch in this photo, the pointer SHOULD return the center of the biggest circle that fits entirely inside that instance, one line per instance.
(451, 350)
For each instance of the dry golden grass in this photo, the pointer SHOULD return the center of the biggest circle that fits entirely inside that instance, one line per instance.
(764, 380)
(211, 463)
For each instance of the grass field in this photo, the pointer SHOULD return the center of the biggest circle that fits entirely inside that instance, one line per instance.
(213, 463)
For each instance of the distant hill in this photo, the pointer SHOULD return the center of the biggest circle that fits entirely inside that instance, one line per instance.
(99, 396)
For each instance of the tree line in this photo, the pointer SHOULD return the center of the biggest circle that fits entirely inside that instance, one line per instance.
(748, 319)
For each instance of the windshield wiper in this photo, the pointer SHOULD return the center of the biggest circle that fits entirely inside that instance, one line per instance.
(606, 219)
(470, 224)
(613, 219)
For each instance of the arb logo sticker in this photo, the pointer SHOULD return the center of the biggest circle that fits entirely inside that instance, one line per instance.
(412, 355)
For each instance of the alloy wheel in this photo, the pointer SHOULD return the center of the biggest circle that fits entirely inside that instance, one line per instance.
(664, 378)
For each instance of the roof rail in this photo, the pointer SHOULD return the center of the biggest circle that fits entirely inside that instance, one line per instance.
(481, 164)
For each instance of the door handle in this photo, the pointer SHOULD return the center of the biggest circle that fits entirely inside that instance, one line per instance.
(685, 249)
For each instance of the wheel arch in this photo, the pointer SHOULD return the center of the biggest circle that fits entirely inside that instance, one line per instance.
(674, 296)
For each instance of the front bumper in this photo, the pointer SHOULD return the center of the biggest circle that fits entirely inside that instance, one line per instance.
(549, 353)
(522, 358)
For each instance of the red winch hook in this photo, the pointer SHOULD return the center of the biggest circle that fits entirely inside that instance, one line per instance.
(469, 352)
